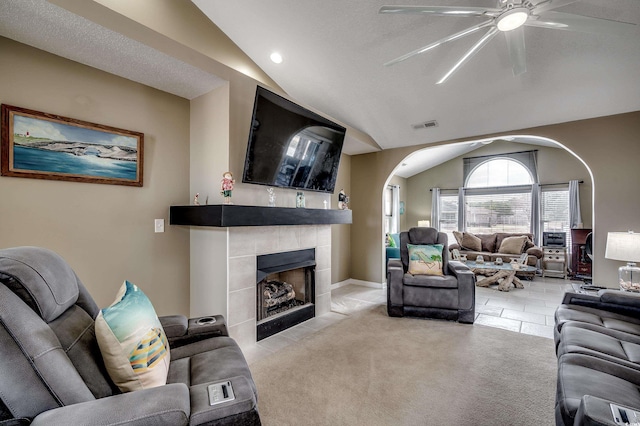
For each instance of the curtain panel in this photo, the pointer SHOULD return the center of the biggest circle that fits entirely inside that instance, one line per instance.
(535, 213)
(435, 208)
(575, 217)
(395, 209)
(462, 223)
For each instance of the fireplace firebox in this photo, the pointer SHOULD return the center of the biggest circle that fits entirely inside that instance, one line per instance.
(285, 290)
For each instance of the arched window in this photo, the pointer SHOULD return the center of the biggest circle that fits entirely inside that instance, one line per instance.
(498, 196)
(499, 172)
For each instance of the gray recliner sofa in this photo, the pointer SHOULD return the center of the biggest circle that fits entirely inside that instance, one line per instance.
(450, 296)
(52, 372)
(598, 347)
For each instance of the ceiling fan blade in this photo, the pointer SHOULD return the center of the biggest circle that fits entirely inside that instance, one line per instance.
(441, 10)
(515, 42)
(455, 36)
(571, 22)
(482, 42)
(543, 6)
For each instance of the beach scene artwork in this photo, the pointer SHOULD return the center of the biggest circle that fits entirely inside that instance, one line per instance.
(67, 149)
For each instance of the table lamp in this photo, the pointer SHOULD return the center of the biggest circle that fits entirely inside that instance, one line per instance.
(625, 246)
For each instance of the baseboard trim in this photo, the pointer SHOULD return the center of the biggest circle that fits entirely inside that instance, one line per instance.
(370, 284)
(340, 284)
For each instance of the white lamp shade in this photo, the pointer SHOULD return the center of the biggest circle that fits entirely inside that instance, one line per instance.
(623, 246)
(424, 223)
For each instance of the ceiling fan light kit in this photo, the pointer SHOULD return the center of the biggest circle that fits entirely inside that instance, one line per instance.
(512, 19)
(509, 18)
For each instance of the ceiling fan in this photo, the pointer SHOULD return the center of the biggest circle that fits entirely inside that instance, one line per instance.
(508, 17)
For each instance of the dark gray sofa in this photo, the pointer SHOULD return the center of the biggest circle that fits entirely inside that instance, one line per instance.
(52, 371)
(450, 296)
(598, 347)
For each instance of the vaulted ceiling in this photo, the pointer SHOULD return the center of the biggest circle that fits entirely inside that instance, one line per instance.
(334, 53)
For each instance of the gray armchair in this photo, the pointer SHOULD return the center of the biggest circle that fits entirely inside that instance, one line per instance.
(52, 371)
(450, 296)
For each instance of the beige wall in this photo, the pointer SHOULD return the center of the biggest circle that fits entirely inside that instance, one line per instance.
(555, 165)
(209, 159)
(402, 183)
(180, 30)
(608, 145)
(341, 234)
(105, 232)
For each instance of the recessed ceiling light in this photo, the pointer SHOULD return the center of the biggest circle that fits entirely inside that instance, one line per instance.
(276, 57)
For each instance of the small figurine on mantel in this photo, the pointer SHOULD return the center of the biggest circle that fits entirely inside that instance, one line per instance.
(272, 197)
(195, 199)
(343, 200)
(226, 186)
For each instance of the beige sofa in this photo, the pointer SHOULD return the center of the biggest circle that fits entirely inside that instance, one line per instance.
(493, 246)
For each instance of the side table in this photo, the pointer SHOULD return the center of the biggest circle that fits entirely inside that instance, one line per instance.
(554, 262)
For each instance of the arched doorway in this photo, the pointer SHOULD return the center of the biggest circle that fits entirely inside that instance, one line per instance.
(442, 167)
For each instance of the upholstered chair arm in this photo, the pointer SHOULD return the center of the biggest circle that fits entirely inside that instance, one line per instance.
(162, 405)
(466, 289)
(623, 298)
(620, 302)
(395, 273)
(394, 263)
(181, 331)
(454, 246)
(595, 411)
(456, 265)
(174, 325)
(535, 251)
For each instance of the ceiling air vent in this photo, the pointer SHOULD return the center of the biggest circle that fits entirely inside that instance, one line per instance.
(425, 125)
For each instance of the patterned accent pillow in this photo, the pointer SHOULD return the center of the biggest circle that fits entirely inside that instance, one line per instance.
(425, 259)
(132, 341)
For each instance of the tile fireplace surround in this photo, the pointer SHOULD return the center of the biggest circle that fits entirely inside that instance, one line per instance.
(245, 244)
(224, 256)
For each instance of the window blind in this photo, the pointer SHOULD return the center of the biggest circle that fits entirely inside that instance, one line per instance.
(555, 212)
(498, 212)
(448, 215)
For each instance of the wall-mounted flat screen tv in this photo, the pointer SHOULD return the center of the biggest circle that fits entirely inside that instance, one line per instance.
(291, 147)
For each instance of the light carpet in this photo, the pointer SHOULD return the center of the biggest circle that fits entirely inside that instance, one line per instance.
(371, 369)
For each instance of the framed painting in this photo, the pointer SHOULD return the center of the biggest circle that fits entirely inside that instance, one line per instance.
(39, 145)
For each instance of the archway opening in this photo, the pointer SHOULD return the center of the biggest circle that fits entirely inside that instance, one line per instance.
(442, 167)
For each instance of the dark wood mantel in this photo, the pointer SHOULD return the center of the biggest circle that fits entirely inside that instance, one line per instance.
(226, 215)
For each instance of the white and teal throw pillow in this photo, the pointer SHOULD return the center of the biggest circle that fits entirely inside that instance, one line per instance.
(132, 341)
(425, 259)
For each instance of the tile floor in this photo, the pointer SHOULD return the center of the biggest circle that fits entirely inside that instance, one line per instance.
(529, 310)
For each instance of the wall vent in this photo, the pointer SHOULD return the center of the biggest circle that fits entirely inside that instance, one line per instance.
(425, 125)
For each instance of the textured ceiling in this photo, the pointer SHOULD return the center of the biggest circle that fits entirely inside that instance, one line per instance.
(53, 29)
(333, 55)
(334, 50)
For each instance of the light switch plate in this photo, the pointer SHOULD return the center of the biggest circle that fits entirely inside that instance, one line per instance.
(159, 225)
